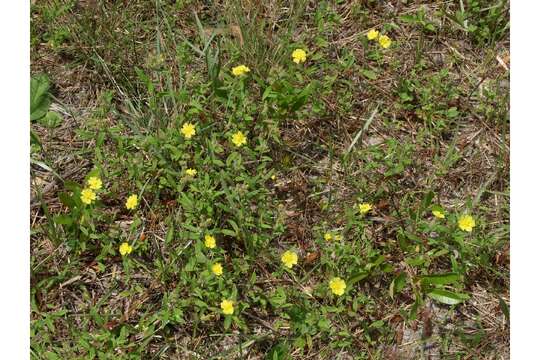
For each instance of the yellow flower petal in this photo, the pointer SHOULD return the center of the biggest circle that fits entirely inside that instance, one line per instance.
(338, 286)
(385, 41)
(240, 70)
(466, 223)
(365, 208)
(209, 241)
(94, 183)
(132, 201)
(227, 306)
(299, 56)
(125, 249)
(188, 130)
(372, 34)
(289, 258)
(88, 196)
(217, 269)
(239, 139)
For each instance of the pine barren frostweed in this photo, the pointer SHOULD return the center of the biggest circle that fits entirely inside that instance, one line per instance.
(466, 223)
(132, 201)
(372, 34)
(328, 237)
(239, 139)
(191, 172)
(227, 306)
(365, 208)
(125, 249)
(94, 183)
(337, 285)
(299, 56)
(209, 241)
(88, 196)
(188, 130)
(217, 269)
(240, 70)
(385, 41)
(289, 258)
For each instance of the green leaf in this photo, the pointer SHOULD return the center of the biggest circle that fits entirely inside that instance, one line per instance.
(426, 201)
(504, 308)
(63, 220)
(39, 97)
(357, 277)
(397, 284)
(447, 297)
(369, 74)
(278, 352)
(51, 120)
(440, 279)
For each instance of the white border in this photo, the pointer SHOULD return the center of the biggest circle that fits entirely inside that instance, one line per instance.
(524, 179)
(14, 190)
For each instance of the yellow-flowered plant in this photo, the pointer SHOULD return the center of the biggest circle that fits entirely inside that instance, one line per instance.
(209, 241)
(188, 130)
(217, 269)
(289, 259)
(328, 237)
(466, 223)
(364, 208)
(125, 249)
(239, 139)
(439, 214)
(132, 201)
(227, 306)
(372, 34)
(338, 286)
(240, 70)
(94, 183)
(299, 56)
(385, 41)
(88, 196)
(191, 172)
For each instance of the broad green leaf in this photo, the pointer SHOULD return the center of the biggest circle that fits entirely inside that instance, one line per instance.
(369, 74)
(447, 297)
(440, 279)
(51, 120)
(397, 284)
(357, 277)
(39, 97)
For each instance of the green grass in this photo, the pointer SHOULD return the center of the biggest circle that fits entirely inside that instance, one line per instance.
(420, 126)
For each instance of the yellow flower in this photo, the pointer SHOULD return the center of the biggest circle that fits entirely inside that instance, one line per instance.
(385, 41)
(299, 56)
(125, 249)
(372, 34)
(227, 306)
(364, 208)
(191, 172)
(132, 201)
(438, 214)
(240, 70)
(88, 196)
(209, 241)
(337, 285)
(289, 258)
(239, 139)
(188, 130)
(217, 269)
(337, 237)
(466, 223)
(328, 237)
(94, 183)
(273, 177)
